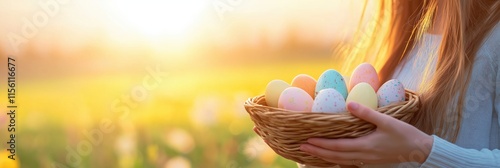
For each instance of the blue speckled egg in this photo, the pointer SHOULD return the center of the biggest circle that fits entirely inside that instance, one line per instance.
(331, 79)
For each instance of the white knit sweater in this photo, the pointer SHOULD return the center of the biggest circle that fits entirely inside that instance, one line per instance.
(478, 141)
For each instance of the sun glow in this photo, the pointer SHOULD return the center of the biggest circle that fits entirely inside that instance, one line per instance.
(158, 18)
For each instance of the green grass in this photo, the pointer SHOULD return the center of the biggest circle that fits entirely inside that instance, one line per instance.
(194, 115)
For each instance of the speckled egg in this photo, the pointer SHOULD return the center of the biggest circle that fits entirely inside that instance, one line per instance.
(329, 101)
(306, 83)
(295, 99)
(390, 92)
(273, 91)
(365, 72)
(363, 94)
(331, 79)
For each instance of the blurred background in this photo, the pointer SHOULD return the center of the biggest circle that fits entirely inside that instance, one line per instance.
(156, 83)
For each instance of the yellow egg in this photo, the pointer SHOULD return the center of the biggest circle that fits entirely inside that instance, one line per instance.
(363, 94)
(273, 91)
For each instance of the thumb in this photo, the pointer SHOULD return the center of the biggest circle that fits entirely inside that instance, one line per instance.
(368, 114)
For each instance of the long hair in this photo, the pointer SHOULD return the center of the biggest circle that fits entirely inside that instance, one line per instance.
(396, 26)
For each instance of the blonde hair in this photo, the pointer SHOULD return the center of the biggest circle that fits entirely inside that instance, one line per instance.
(397, 26)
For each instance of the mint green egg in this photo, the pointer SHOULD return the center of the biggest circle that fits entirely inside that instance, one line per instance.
(332, 79)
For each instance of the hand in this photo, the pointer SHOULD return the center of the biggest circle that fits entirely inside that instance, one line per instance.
(393, 141)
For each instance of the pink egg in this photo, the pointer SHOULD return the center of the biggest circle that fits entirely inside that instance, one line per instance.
(390, 92)
(365, 72)
(295, 99)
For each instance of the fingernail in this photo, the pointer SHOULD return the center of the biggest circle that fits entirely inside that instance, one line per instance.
(353, 105)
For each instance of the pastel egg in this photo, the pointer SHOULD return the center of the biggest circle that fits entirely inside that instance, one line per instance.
(364, 94)
(273, 91)
(390, 92)
(306, 83)
(331, 79)
(365, 72)
(295, 99)
(329, 101)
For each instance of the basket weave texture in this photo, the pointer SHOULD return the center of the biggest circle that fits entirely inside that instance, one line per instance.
(284, 131)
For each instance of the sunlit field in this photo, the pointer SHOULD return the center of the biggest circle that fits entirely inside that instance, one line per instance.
(194, 118)
(155, 84)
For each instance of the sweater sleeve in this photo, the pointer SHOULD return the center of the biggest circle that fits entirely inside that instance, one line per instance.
(495, 55)
(446, 154)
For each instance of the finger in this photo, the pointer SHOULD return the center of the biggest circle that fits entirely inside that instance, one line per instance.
(341, 145)
(340, 163)
(330, 155)
(347, 166)
(367, 114)
(345, 163)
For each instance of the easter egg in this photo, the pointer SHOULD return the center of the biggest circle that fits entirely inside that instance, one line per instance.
(306, 83)
(331, 79)
(329, 101)
(364, 72)
(273, 91)
(390, 92)
(364, 94)
(295, 99)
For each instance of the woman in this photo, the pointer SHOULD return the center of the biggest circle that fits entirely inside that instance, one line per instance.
(449, 52)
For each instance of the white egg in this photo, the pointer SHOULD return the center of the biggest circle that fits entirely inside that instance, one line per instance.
(329, 101)
(391, 92)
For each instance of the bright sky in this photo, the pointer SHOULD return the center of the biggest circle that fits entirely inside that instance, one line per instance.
(178, 24)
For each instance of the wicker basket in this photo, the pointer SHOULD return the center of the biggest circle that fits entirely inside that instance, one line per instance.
(284, 131)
